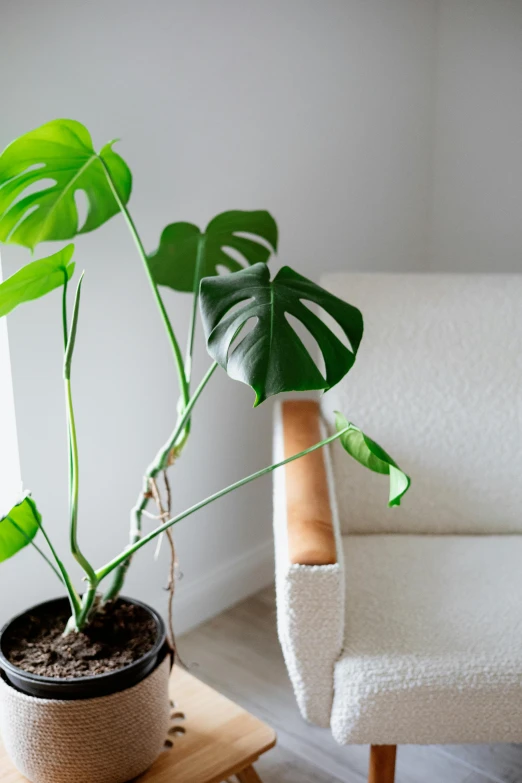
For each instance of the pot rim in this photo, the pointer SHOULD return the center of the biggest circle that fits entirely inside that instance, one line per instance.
(75, 684)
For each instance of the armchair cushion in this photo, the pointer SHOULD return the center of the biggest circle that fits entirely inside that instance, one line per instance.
(433, 640)
(437, 383)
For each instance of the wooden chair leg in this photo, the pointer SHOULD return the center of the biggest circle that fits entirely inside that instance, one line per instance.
(248, 775)
(382, 763)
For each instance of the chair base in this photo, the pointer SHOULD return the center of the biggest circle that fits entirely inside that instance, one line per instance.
(382, 764)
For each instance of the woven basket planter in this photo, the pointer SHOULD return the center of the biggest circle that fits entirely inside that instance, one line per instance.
(110, 739)
(106, 728)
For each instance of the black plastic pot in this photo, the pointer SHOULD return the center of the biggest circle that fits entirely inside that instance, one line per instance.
(83, 687)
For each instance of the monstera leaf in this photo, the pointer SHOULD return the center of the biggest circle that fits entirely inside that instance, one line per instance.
(185, 254)
(372, 456)
(60, 151)
(271, 358)
(36, 279)
(18, 528)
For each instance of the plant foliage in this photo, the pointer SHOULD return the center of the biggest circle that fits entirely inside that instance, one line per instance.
(372, 456)
(18, 528)
(60, 158)
(186, 254)
(36, 279)
(248, 319)
(271, 358)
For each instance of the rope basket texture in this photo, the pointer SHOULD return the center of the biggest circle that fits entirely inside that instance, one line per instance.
(111, 739)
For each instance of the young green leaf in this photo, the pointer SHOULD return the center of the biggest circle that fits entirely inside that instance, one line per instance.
(372, 456)
(18, 528)
(60, 151)
(186, 254)
(71, 339)
(36, 279)
(271, 358)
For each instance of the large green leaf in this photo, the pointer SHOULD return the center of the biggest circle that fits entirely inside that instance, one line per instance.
(36, 279)
(372, 456)
(186, 254)
(271, 358)
(18, 528)
(61, 151)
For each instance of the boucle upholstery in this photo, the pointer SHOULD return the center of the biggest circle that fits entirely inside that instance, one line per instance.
(310, 606)
(437, 382)
(415, 634)
(433, 640)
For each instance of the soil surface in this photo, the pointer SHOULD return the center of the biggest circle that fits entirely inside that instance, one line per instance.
(116, 637)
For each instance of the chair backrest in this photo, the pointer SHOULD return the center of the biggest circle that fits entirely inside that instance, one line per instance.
(438, 384)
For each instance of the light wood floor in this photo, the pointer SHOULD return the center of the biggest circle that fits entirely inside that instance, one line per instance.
(238, 653)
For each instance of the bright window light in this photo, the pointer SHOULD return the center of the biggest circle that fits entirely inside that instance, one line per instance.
(10, 476)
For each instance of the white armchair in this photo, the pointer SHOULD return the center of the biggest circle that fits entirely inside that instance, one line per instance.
(404, 625)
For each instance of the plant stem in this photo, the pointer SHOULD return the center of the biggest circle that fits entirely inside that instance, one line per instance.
(195, 296)
(165, 511)
(102, 572)
(37, 548)
(135, 534)
(157, 296)
(65, 329)
(159, 463)
(136, 512)
(65, 326)
(73, 443)
(74, 598)
(87, 604)
(74, 481)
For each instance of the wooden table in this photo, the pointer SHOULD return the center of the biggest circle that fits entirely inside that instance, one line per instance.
(212, 739)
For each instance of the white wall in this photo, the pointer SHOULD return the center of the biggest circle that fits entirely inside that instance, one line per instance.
(477, 168)
(329, 114)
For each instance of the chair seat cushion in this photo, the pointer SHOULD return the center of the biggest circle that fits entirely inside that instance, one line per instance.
(433, 640)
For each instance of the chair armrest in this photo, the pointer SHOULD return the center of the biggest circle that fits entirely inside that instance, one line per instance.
(309, 568)
(311, 538)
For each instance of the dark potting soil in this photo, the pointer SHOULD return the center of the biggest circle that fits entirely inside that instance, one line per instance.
(116, 637)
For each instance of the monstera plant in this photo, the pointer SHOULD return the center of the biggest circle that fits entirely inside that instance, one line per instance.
(245, 315)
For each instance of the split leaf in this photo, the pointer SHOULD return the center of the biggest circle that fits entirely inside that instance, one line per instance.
(185, 254)
(60, 158)
(271, 358)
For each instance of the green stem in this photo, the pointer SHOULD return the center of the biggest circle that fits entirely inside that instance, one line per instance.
(80, 619)
(73, 443)
(102, 572)
(64, 310)
(183, 385)
(160, 461)
(87, 604)
(158, 464)
(36, 547)
(195, 296)
(62, 574)
(178, 358)
(74, 598)
(65, 329)
(74, 482)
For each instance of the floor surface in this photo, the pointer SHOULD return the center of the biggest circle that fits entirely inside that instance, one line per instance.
(238, 653)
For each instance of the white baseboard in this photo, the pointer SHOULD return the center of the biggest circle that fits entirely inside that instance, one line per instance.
(226, 585)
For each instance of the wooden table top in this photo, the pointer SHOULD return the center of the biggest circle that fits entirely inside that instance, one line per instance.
(219, 740)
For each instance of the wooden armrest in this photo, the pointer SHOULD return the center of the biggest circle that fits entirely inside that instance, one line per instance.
(311, 539)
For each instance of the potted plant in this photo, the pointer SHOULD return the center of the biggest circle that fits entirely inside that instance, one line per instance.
(83, 692)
